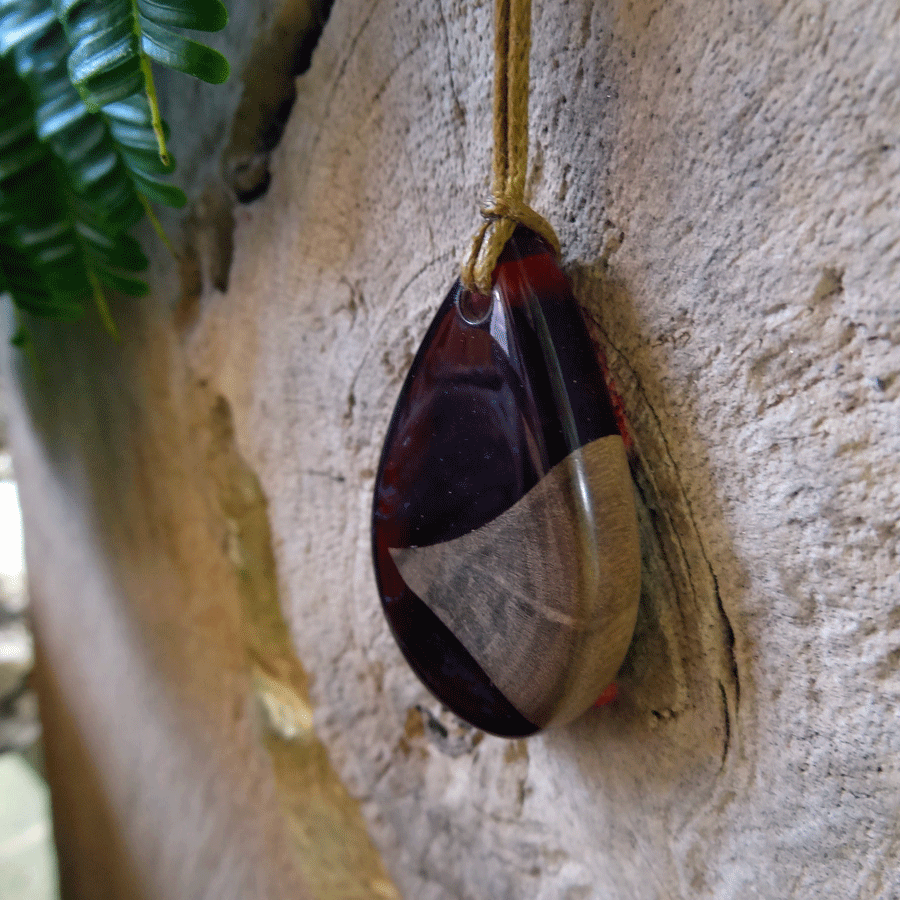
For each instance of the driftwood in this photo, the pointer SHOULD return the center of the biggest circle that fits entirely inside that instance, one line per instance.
(725, 180)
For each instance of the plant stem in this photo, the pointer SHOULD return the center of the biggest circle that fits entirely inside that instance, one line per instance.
(157, 225)
(150, 90)
(102, 307)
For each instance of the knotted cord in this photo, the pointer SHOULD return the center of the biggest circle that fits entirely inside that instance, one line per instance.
(506, 208)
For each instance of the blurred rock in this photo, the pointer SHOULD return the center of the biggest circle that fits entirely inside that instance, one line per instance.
(16, 656)
(19, 724)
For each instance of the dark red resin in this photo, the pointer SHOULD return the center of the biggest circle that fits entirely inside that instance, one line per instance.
(500, 391)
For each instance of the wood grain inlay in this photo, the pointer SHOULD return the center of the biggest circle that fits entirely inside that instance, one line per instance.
(545, 596)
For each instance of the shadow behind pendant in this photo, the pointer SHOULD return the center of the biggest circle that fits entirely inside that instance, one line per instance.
(504, 529)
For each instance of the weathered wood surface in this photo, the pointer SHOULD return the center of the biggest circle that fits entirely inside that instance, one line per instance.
(725, 180)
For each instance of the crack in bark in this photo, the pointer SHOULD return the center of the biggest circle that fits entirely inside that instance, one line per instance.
(729, 643)
(727, 721)
(725, 650)
(281, 53)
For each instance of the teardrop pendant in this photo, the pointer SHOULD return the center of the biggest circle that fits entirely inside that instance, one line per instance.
(504, 528)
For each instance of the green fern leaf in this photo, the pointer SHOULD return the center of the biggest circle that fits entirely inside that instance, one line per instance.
(39, 257)
(133, 287)
(100, 197)
(132, 129)
(198, 15)
(113, 41)
(170, 49)
(21, 22)
(52, 261)
(82, 145)
(83, 141)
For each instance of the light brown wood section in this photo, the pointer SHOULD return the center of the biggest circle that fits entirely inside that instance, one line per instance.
(545, 596)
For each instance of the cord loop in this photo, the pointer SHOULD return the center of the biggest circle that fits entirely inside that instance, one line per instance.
(506, 208)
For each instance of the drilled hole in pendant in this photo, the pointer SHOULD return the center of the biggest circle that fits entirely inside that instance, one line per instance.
(475, 309)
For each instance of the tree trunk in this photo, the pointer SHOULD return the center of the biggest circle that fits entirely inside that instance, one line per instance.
(725, 180)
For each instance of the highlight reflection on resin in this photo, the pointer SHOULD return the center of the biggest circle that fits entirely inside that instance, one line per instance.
(504, 529)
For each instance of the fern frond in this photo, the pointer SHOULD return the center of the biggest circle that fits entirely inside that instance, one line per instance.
(88, 143)
(82, 145)
(39, 249)
(100, 198)
(132, 128)
(114, 41)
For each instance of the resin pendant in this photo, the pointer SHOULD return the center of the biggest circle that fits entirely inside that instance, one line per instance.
(504, 528)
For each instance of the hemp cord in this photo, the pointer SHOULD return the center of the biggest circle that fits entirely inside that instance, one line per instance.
(506, 208)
